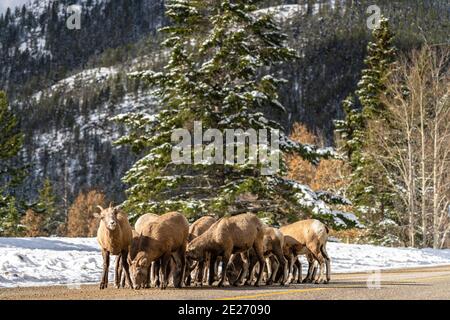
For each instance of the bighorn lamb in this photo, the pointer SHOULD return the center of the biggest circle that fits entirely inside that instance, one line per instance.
(114, 237)
(229, 235)
(313, 235)
(199, 227)
(164, 238)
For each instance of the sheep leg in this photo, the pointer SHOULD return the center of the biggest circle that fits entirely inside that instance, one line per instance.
(152, 273)
(195, 268)
(294, 272)
(269, 267)
(104, 282)
(183, 265)
(244, 270)
(212, 268)
(327, 262)
(165, 270)
(291, 268)
(204, 271)
(276, 276)
(216, 268)
(122, 277)
(188, 278)
(321, 261)
(311, 269)
(316, 252)
(271, 275)
(279, 275)
(283, 264)
(199, 273)
(225, 261)
(148, 282)
(180, 260)
(251, 270)
(314, 272)
(299, 270)
(126, 268)
(156, 269)
(258, 246)
(118, 271)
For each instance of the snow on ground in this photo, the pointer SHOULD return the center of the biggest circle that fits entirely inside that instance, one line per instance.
(71, 261)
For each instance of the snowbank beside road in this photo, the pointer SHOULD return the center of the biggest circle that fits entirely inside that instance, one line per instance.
(50, 261)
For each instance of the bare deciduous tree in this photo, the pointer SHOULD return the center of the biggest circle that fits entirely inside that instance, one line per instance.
(413, 147)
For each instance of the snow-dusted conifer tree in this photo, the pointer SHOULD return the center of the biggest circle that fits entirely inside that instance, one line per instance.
(368, 188)
(11, 140)
(218, 74)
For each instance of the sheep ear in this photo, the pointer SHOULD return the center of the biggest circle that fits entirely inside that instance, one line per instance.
(97, 215)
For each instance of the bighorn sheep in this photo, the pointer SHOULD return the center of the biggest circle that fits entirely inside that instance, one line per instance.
(164, 238)
(144, 220)
(235, 234)
(312, 236)
(153, 271)
(273, 247)
(199, 227)
(114, 237)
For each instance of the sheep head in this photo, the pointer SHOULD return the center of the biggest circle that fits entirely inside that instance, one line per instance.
(195, 250)
(109, 217)
(139, 269)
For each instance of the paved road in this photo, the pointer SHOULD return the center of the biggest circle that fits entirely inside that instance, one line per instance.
(420, 283)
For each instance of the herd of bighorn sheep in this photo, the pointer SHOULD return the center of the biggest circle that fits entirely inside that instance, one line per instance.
(236, 250)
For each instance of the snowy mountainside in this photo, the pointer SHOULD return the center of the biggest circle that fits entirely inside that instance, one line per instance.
(34, 38)
(37, 48)
(73, 261)
(77, 154)
(64, 86)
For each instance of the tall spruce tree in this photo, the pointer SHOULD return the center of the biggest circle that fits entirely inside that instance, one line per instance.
(368, 189)
(11, 141)
(219, 74)
(47, 207)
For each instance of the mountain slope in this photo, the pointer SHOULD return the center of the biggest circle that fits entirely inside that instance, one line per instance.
(66, 85)
(37, 48)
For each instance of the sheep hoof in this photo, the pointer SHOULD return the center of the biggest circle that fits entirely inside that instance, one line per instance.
(103, 286)
(220, 284)
(257, 284)
(269, 283)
